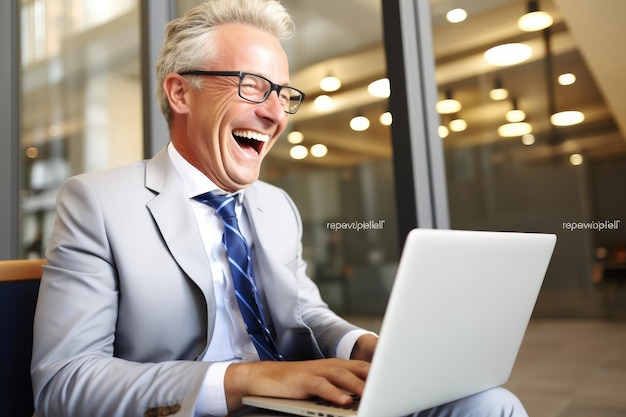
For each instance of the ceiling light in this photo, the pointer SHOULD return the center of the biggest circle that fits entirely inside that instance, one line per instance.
(385, 119)
(515, 114)
(298, 152)
(323, 102)
(498, 94)
(319, 150)
(443, 131)
(456, 15)
(380, 88)
(567, 79)
(458, 125)
(330, 83)
(32, 152)
(508, 54)
(295, 137)
(528, 139)
(576, 159)
(448, 105)
(512, 130)
(359, 123)
(535, 19)
(567, 118)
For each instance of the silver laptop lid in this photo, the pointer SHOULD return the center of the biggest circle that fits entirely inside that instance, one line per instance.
(456, 317)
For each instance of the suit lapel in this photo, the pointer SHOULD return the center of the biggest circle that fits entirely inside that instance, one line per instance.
(275, 265)
(175, 220)
(275, 280)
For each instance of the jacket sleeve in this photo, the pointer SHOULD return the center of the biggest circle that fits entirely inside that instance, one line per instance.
(75, 370)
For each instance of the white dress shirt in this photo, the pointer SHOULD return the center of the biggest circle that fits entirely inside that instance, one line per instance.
(230, 342)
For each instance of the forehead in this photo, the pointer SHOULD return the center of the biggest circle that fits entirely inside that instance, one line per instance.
(245, 48)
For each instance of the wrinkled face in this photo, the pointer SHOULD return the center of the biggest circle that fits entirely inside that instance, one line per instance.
(223, 135)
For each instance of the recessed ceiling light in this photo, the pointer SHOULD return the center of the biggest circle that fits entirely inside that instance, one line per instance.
(298, 152)
(456, 15)
(319, 150)
(323, 102)
(512, 130)
(380, 88)
(567, 79)
(508, 54)
(330, 83)
(576, 159)
(386, 119)
(359, 123)
(567, 118)
(295, 137)
(534, 21)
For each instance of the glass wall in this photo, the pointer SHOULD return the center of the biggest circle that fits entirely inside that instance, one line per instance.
(340, 177)
(81, 100)
(512, 166)
(349, 183)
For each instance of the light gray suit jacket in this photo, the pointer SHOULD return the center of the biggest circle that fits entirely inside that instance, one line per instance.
(126, 303)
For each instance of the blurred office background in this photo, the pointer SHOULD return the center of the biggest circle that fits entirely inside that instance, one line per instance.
(82, 100)
(77, 96)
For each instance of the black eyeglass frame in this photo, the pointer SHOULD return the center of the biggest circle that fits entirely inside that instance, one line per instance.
(241, 75)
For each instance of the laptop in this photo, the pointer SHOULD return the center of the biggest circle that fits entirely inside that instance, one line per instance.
(456, 316)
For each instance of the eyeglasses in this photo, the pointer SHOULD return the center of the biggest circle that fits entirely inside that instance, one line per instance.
(257, 89)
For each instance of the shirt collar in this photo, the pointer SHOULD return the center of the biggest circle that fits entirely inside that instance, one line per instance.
(195, 182)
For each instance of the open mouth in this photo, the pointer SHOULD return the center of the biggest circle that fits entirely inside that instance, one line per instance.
(249, 139)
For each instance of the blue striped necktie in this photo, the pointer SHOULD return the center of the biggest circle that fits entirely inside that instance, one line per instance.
(240, 262)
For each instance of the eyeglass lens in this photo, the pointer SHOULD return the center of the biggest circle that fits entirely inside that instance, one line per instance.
(258, 89)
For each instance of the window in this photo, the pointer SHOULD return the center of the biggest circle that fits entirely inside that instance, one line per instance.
(81, 100)
(543, 177)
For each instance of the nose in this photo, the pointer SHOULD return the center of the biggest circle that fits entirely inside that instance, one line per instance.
(272, 109)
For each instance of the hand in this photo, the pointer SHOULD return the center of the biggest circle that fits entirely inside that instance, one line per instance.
(364, 348)
(325, 378)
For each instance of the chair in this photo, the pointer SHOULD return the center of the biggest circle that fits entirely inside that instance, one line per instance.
(19, 286)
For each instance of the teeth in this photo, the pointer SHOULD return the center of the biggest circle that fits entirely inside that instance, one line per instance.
(250, 134)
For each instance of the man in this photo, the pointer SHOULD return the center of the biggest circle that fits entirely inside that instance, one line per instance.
(140, 310)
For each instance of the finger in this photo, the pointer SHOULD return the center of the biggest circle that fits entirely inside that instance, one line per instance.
(322, 387)
(339, 376)
(353, 382)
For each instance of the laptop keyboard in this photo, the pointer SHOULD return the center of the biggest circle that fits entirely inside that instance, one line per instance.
(354, 406)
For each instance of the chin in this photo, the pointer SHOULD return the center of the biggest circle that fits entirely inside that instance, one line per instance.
(240, 182)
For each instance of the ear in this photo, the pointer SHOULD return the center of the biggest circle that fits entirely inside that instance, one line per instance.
(177, 90)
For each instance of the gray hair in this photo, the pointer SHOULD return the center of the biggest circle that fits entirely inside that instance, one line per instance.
(189, 41)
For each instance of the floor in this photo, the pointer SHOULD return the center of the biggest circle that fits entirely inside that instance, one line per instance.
(569, 368)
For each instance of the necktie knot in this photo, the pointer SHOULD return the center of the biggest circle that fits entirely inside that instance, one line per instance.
(224, 205)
